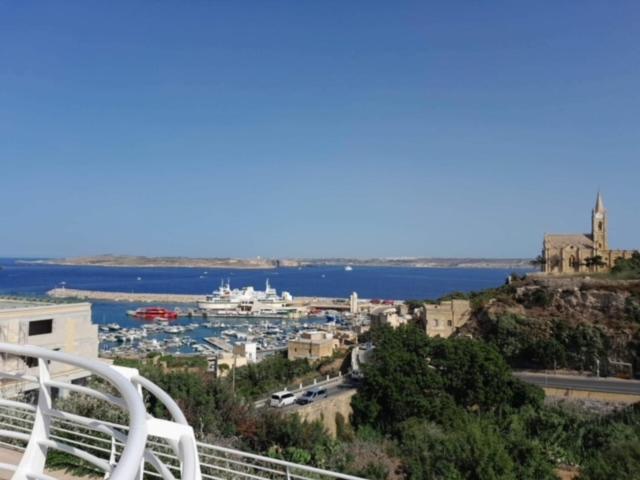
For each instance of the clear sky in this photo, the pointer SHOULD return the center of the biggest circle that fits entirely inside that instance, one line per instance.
(315, 128)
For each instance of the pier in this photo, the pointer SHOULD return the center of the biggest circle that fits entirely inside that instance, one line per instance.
(219, 343)
(124, 296)
(320, 303)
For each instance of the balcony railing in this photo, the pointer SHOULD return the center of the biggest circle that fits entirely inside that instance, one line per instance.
(147, 447)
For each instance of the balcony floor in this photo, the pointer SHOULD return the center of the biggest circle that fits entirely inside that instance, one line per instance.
(12, 456)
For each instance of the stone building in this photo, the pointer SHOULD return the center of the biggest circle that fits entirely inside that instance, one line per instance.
(393, 316)
(312, 345)
(582, 252)
(442, 319)
(65, 327)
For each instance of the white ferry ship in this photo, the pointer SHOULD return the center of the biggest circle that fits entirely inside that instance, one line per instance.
(246, 300)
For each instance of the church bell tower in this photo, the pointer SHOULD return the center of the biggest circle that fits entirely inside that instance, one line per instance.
(599, 231)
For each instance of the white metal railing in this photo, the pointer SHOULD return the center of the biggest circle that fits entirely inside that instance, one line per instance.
(125, 463)
(147, 447)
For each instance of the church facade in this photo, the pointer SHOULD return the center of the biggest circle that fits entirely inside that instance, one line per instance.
(582, 252)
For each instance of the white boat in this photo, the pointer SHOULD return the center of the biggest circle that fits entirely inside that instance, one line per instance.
(246, 299)
(173, 329)
(348, 268)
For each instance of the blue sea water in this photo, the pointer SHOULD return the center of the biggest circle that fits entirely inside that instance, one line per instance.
(18, 278)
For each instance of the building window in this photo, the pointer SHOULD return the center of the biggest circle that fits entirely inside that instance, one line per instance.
(30, 361)
(40, 327)
(572, 261)
(600, 226)
(449, 323)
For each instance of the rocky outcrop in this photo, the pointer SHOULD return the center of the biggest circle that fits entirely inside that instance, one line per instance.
(538, 307)
(605, 303)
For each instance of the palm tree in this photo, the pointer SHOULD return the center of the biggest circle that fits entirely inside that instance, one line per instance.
(595, 261)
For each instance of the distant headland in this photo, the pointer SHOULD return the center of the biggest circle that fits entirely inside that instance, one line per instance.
(263, 263)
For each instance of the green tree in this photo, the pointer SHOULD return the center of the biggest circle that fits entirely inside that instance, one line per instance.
(411, 375)
(399, 380)
(620, 460)
(594, 263)
(475, 451)
(627, 267)
(539, 262)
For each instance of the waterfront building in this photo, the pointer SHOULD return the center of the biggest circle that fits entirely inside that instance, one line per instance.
(390, 315)
(582, 252)
(442, 319)
(60, 327)
(312, 345)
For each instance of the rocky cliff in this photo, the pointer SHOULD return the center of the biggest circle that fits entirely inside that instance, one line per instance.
(566, 322)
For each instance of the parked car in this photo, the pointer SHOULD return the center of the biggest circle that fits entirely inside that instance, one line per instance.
(312, 395)
(282, 399)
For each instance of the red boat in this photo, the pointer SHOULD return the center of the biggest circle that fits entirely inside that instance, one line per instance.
(150, 313)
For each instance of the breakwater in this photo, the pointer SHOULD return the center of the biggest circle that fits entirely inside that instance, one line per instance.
(324, 303)
(123, 296)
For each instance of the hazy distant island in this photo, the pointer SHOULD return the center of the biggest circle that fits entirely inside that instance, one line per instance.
(423, 262)
(143, 261)
(264, 263)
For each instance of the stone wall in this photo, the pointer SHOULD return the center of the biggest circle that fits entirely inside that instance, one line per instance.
(327, 409)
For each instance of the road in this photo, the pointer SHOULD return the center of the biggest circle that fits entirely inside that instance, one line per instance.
(588, 384)
(332, 385)
(568, 382)
(331, 391)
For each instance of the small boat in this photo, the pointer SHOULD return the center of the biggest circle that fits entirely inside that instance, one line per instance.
(173, 329)
(348, 268)
(154, 313)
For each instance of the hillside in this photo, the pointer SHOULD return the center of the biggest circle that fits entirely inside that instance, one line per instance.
(570, 322)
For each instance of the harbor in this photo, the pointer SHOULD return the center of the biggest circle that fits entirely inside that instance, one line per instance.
(191, 304)
(186, 337)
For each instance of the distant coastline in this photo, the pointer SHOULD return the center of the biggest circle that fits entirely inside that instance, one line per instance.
(425, 262)
(156, 262)
(260, 263)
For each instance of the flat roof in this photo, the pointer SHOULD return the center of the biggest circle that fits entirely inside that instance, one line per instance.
(10, 304)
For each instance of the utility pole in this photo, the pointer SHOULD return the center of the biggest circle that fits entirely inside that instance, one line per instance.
(233, 376)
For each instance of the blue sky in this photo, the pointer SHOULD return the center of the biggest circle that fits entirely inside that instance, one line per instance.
(315, 128)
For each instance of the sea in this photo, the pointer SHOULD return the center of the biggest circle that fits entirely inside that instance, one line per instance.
(18, 278)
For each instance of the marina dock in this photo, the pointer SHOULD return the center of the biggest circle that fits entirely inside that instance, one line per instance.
(219, 343)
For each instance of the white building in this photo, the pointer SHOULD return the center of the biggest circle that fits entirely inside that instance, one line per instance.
(247, 350)
(64, 327)
(353, 303)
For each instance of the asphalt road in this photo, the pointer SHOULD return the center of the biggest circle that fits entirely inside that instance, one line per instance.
(331, 391)
(589, 384)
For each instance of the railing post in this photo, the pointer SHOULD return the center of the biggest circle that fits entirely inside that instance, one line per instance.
(129, 374)
(35, 455)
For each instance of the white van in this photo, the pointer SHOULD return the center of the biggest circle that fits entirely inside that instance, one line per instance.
(282, 399)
